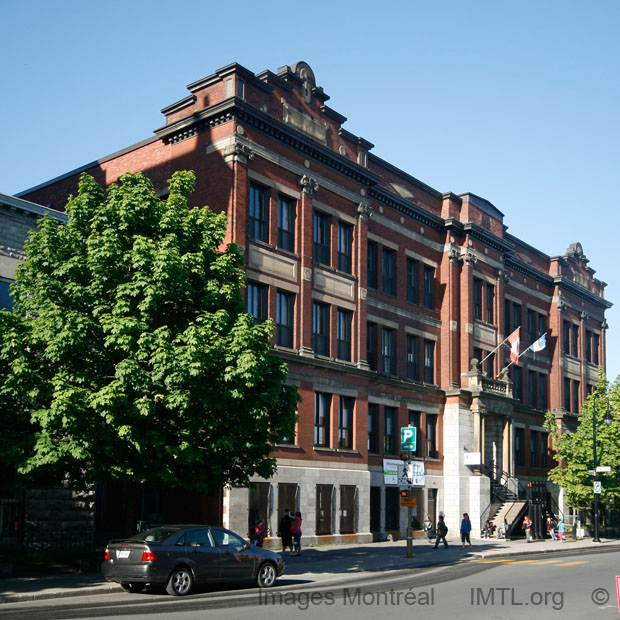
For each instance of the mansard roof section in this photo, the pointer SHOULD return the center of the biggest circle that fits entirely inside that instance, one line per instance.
(478, 210)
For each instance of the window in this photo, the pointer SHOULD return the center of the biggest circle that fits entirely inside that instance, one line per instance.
(542, 325)
(533, 448)
(412, 281)
(388, 351)
(321, 238)
(322, 404)
(490, 363)
(324, 508)
(240, 88)
(575, 408)
(429, 361)
(478, 299)
(257, 301)
(348, 509)
(575, 340)
(412, 358)
(388, 272)
(284, 319)
(588, 344)
(372, 272)
(414, 420)
(542, 391)
(345, 244)
(345, 423)
(373, 428)
(566, 337)
(490, 301)
(286, 223)
(6, 299)
(431, 436)
(516, 316)
(478, 354)
(517, 391)
(507, 318)
(429, 285)
(259, 213)
(531, 388)
(343, 329)
(229, 87)
(595, 347)
(389, 431)
(371, 345)
(567, 394)
(320, 328)
(531, 326)
(544, 449)
(519, 456)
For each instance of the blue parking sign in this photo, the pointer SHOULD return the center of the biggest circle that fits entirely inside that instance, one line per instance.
(407, 438)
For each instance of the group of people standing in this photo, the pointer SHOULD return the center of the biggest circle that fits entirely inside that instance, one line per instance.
(289, 529)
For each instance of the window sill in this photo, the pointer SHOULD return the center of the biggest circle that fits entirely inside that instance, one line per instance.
(324, 449)
(288, 446)
(348, 451)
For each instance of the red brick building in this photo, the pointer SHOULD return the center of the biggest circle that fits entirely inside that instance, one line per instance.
(383, 289)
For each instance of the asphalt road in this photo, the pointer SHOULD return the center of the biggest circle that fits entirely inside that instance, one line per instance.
(562, 586)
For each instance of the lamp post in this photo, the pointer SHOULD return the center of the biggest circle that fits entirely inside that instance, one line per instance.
(607, 418)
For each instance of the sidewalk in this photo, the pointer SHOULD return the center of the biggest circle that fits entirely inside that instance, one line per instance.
(318, 566)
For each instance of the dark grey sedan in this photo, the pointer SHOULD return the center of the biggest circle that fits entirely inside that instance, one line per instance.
(181, 555)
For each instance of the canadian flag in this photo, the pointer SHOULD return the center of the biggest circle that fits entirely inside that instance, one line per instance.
(514, 339)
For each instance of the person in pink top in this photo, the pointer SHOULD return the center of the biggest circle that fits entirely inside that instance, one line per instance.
(296, 532)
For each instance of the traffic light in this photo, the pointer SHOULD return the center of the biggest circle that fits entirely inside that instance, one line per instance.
(404, 492)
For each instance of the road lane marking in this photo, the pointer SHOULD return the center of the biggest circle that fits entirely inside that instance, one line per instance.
(572, 563)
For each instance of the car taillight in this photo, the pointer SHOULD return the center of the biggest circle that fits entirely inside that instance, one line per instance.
(107, 554)
(148, 556)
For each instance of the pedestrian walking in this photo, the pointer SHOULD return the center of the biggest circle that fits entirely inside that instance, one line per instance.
(527, 528)
(465, 530)
(442, 530)
(259, 533)
(551, 525)
(285, 530)
(429, 530)
(561, 530)
(296, 532)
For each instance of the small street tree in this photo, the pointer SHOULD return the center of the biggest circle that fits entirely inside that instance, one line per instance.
(129, 355)
(574, 451)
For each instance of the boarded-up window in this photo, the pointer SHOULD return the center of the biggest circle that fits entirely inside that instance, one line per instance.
(259, 507)
(392, 509)
(375, 509)
(348, 512)
(324, 506)
(287, 498)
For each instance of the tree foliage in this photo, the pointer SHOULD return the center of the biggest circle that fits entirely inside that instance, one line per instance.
(129, 355)
(575, 455)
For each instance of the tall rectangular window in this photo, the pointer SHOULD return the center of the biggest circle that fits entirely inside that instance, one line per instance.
(285, 303)
(412, 281)
(542, 391)
(429, 286)
(542, 325)
(595, 347)
(566, 337)
(575, 340)
(371, 345)
(519, 456)
(516, 316)
(320, 328)
(588, 344)
(544, 449)
(345, 246)
(531, 388)
(431, 436)
(517, 388)
(567, 401)
(343, 329)
(373, 428)
(389, 430)
(345, 423)
(575, 397)
(286, 223)
(257, 301)
(322, 405)
(388, 349)
(412, 358)
(321, 238)
(490, 363)
(478, 299)
(373, 265)
(388, 271)
(259, 213)
(531, 326)
(490, 303)
(534, 448)
(507, 318)
(6, 299)
(429, 361)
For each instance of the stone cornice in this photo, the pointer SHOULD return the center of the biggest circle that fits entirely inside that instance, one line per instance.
(397, 203)
(493, 241)
(581, 292)
(526, 270)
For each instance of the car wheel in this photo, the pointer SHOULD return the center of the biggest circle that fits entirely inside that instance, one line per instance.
(266, 575)
(133, 586)
(180, 582)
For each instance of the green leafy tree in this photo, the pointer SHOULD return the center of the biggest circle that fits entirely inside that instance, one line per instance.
(129, 355)
(574, 451)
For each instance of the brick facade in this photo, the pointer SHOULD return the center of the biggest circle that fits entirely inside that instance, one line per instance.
(393, 287)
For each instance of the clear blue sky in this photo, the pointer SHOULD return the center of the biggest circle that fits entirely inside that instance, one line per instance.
(515, 101)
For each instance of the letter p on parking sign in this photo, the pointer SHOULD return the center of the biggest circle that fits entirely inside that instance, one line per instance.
(407, 438)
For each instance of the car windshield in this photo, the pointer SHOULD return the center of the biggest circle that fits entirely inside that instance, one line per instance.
(156, 534)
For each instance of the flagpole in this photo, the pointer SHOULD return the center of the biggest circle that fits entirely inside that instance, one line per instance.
(495, 349)
(519, 356)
